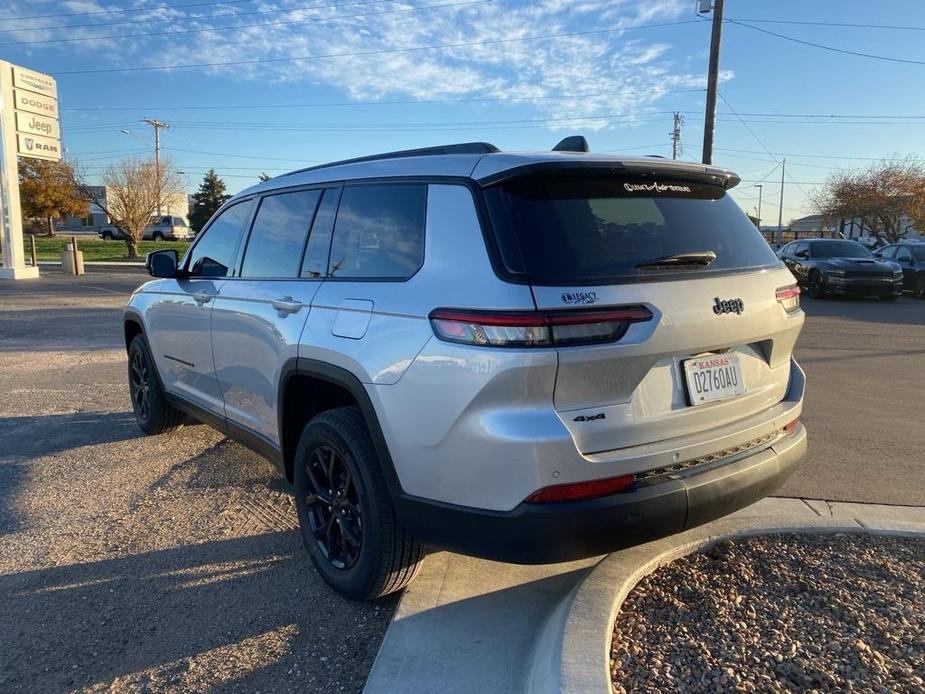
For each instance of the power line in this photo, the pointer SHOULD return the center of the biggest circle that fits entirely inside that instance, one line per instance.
(803, 154)
(313, 20)
(402, 102)
(828, 24)
(383, 51)
(834, 49)
(222, 15)
(131, 9)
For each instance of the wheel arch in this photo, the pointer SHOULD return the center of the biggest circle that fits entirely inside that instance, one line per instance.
(132, 327)
(308, 387)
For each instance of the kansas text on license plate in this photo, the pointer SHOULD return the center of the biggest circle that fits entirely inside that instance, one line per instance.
(714, 377)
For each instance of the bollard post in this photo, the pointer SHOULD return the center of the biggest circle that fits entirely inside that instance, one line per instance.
(74, 251)
(35, 262)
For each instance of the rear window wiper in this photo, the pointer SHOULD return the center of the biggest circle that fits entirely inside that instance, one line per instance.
(696, 258)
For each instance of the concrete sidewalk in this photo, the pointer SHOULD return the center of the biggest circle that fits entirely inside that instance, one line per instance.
(468, 624)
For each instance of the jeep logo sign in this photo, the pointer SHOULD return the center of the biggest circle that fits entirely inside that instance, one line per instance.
(721, 306)
(37, 125)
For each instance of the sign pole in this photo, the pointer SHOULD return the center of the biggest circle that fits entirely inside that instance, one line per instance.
(14, 254)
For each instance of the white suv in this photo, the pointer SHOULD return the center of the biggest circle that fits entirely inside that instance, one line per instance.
(525, 357)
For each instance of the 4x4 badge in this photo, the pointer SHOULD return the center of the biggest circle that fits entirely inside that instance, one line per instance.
(721, 306)
(590, 417)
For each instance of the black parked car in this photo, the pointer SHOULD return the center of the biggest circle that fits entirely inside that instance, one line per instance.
(911, 258)
(840, 266)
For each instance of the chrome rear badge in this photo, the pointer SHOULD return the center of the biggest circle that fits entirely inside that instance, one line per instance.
(721, 306)
(590, 417)
(580, 297)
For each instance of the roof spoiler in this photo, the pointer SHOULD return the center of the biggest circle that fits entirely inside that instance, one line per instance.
(573, 143)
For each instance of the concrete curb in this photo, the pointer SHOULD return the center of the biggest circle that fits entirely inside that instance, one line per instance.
(572, 652)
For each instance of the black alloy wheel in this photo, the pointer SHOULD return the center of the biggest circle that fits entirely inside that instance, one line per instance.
(140, 385)
(920, 287)
(816, 289)
(335, 517)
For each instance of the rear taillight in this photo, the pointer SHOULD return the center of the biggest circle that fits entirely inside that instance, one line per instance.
(789, 298)
(581, 491)
(791, 427)
(535, 328)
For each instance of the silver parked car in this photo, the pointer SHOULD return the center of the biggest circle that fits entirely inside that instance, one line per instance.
(161, 228)
(526, 357)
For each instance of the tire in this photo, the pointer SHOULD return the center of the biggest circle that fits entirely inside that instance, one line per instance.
(157, 236)
(816, 290)
(153, 413)
(920, 288)
(891, 297)
(107, 236)
(356, 543)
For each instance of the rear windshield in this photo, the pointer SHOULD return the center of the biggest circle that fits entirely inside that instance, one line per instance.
(838, 249)
(593, 228)
(918, 252)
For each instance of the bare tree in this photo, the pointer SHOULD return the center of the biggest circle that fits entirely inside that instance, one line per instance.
(888, 198)
(133, 194)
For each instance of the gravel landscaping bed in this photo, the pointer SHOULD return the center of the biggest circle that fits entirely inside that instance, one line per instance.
(778, 613)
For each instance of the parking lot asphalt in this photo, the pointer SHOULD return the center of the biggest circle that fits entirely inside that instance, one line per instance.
(865, 401)
(145, 563)
(172, 562)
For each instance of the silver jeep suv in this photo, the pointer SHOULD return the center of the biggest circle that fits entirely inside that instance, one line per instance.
(525, 357)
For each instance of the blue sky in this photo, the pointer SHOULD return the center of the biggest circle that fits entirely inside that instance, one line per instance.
(521, 75)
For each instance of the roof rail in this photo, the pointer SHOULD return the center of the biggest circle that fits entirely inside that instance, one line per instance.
(462, 148)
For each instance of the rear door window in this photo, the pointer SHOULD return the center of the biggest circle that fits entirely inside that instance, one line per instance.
(274, 248)
(319, 241)
(379, 232)
(587, 228)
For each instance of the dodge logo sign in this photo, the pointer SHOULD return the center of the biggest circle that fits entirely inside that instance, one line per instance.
(721, 306)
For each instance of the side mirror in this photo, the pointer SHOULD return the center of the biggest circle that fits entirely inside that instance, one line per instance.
(878, 254)
(163, 263)
(802, 254)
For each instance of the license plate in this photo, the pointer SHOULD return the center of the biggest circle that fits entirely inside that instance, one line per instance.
(715, 377)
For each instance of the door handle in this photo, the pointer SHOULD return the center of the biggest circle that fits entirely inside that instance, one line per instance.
(287, 305)
(203, 298)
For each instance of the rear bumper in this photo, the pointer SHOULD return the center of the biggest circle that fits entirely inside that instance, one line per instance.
(547, 533)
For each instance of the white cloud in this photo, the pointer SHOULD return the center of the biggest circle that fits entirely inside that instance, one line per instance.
(621, 73)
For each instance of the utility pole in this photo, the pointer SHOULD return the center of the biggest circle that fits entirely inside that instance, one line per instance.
(760, 187)
(676, 135)
(157, 125)
(780, 209)
(712, 76)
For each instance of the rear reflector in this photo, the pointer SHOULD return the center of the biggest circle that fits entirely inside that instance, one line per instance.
(535, 328)
(791, 428)
(581, 491)
(789, 298)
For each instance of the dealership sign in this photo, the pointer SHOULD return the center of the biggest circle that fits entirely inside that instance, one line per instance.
(34, 82)
(38, 147)
(34, 116)
(37, 125)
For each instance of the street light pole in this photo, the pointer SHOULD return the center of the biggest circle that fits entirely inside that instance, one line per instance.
(712, 79)
(760, 187)
(780, 209)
